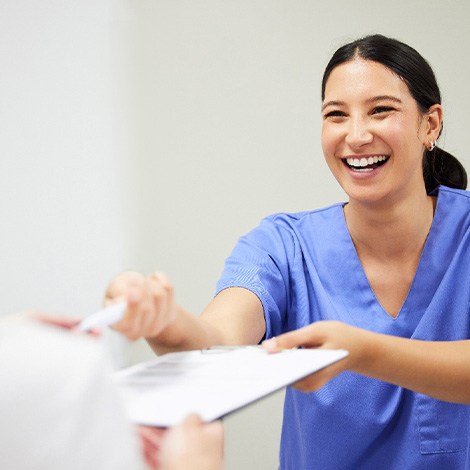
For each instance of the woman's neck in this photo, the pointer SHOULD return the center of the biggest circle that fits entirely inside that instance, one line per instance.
(390, 231)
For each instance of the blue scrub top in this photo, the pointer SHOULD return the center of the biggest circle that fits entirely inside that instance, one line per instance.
(304, 268)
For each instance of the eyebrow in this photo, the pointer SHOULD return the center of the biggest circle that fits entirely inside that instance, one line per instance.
(370, 100)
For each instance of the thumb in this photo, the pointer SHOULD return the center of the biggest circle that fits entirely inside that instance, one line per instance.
(293, 339)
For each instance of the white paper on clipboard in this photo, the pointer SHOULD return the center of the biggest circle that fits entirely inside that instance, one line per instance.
(212, 383)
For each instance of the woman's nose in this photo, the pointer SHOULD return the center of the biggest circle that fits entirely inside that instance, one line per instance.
(358, 133)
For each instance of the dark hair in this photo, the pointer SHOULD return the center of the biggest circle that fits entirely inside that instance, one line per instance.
(439, 166)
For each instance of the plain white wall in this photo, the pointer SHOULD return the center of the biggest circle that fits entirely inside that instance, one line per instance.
(61, 237)
(152, 133)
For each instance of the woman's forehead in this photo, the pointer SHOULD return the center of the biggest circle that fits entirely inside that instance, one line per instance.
(360, 78)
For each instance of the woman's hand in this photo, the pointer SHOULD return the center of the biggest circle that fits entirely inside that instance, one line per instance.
(150, 301)
(323, 335)
(192, 445)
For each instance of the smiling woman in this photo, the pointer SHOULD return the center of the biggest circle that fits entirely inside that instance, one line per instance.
(368, 114)
(383, 275)
(418, 82)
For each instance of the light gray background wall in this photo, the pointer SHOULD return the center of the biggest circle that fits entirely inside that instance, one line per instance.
(61, 235)
(151, 134)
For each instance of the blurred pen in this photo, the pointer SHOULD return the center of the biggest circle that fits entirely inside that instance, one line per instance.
(104, 317)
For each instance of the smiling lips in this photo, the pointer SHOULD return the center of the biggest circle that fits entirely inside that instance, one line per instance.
(365, 163)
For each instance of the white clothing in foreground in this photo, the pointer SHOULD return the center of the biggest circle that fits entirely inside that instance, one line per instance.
(59, 408)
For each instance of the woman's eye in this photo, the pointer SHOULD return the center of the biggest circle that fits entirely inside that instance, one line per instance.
(335, 113)
(382, 109)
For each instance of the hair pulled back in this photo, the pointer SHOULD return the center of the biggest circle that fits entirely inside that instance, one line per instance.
(439, 166)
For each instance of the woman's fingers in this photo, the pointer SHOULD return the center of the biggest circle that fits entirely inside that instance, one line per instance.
(119, 288)
(303, 337)
(150, 303)
(321, 335)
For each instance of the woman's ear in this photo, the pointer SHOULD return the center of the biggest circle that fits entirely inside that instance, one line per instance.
(434, 118)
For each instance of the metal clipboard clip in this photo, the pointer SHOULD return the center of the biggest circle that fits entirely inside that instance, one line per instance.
(250, 347)
(224, 349)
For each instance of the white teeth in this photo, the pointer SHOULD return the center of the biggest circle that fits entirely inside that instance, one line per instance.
(362, 162)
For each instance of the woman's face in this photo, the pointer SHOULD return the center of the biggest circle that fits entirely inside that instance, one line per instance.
(373, 134)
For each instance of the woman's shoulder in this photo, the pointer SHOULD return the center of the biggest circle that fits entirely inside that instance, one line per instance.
(453, 209)
(463, 194)
(286, 227)
(295, 218)
(455, 200)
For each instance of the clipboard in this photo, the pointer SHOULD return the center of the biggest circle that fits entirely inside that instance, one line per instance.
(212, 382)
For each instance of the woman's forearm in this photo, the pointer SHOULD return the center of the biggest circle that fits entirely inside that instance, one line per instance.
(233, 317)
(186, 332)
(438, 369)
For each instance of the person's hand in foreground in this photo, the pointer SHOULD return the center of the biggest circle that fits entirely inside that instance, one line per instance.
(192, 445)
(150, 443)
(60, 321)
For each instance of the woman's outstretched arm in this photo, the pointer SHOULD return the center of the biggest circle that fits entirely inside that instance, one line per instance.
(438, 369)
(234, 316)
